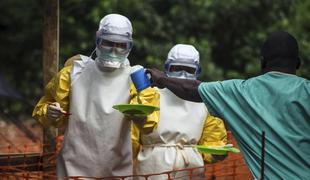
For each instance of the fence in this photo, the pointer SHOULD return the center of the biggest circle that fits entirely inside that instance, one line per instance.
(30, 165)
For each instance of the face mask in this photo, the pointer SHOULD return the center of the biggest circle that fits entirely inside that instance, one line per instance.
(181, 75)
(110, 59)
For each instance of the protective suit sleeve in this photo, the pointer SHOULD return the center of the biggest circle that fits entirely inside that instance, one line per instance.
(148, 96)
(57, 90)
(214, 134)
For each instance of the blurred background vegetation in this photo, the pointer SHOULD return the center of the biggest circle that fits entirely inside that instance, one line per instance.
(228, 35)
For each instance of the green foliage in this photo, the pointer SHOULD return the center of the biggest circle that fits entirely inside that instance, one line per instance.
(228, 34)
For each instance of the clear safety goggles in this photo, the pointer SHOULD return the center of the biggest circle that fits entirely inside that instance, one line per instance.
(118, 47)
(108, 42)
(176, 66)
(182, 69)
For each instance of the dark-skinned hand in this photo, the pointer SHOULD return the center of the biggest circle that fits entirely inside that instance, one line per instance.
(156, 77)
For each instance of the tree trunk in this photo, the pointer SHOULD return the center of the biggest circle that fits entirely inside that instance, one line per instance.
(50, 64)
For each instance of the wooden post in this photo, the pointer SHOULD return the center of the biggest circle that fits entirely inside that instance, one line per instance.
(50, 63)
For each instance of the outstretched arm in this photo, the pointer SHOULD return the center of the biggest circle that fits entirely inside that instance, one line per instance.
(183, 88)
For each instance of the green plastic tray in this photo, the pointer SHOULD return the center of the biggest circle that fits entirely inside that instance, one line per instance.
(136, 109)
(220, 150)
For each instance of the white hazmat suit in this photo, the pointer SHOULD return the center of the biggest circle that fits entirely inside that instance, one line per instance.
(182, 125)
(97, 139)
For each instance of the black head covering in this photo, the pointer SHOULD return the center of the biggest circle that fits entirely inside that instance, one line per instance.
(280, 45)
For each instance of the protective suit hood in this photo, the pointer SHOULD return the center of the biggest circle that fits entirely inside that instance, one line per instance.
(183, 55)
(114, 30)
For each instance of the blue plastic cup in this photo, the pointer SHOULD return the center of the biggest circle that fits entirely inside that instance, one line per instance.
(140, 79)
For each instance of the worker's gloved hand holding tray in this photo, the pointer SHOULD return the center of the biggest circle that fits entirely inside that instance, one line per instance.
(219, 150)
(136, 109)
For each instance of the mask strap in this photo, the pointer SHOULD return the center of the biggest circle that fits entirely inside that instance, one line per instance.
(92, 53)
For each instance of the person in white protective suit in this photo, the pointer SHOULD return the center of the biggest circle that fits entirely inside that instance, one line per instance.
(183, 124)
(97, 140)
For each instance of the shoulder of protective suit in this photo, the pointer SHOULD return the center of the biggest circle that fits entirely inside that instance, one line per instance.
(70, 61)
(78, 63)
(79, 58)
